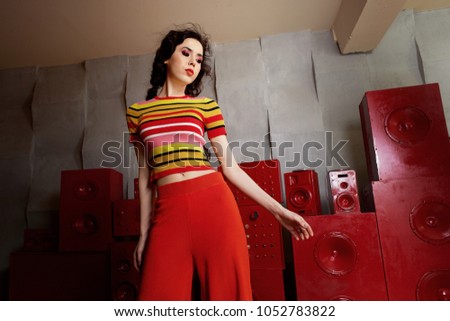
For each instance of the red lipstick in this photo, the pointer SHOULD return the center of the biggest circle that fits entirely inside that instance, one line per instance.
(190, 72)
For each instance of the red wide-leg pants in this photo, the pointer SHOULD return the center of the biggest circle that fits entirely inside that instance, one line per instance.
(196, 226)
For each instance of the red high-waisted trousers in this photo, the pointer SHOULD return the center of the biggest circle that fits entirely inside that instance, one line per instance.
(196, 226)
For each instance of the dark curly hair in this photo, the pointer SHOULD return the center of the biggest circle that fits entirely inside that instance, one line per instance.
(165, 51)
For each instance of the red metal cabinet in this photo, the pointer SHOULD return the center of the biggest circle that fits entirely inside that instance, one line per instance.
(342, 261)
(85, 220)
(344, 191)
(414, 225)
(405, 133)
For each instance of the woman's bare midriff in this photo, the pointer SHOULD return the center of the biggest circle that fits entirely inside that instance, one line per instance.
(179, 177)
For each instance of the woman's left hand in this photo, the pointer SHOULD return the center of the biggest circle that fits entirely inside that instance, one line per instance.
(294, 223)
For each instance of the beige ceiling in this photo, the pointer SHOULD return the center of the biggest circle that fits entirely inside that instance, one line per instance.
(57, 32)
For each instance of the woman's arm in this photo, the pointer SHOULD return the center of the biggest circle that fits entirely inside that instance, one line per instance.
(145, 203)
(293, 222)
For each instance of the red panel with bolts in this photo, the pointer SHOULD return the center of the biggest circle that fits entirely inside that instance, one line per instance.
(266, 174)
(264, 238)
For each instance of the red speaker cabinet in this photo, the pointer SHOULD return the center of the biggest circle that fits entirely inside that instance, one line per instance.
(126, 217)
(414, 225)
(125, 279)
(85, 221)
(47, 276)
(405, 133)
(266, 174)
(267, 284)
(264, 238)
(344, 191)
(302, 192)
(342, 261)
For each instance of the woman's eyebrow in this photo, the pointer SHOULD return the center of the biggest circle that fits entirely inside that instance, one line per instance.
(199, 54)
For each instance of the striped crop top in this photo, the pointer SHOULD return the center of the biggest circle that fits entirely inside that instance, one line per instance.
(172, 130)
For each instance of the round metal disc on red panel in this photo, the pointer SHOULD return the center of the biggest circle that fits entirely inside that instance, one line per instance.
(300, 197)
(336, 253)
(407, 125)
(430, 221)
(346, 201)
(125, 291)
(434, 286)
(85, 190)
(84, 223)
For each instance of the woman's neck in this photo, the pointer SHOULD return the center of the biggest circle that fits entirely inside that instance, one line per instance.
(171, 90)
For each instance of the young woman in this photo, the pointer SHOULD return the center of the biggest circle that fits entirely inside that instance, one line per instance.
(190, 222)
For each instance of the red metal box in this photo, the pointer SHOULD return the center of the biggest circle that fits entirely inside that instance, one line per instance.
(85, 221)
(414, 224)
(405, 133)
(342, 261)
(344, 191)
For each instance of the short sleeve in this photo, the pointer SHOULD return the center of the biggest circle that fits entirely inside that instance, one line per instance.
(133, 125)
(214, 122)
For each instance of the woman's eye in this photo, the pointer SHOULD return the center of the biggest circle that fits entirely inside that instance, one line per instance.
(199, 61)
(185, 53)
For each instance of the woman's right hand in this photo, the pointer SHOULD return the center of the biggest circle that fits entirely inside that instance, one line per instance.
(137, 255)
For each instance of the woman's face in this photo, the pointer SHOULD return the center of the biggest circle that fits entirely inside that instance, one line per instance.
(185, 63)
